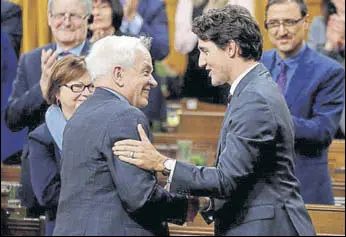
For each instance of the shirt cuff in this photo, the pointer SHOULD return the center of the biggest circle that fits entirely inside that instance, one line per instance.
(170, 177)
(135, 25)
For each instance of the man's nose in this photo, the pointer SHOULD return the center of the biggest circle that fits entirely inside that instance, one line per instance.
(153, 82)
(201, 61)
(282, 30)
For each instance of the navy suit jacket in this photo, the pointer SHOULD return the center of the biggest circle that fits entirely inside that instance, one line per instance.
(44, 159)
(10, 142)
(100, 194)
(26, 108)
(12, 23)
(253, 187)
(315, 98)
(155, 25)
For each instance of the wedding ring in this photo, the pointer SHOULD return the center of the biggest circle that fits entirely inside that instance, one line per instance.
(132, 154)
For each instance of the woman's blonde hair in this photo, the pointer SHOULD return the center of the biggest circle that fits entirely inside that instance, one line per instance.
(63, 71)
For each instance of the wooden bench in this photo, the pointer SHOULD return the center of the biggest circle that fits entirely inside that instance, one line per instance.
(327, 220)
(201, 118)
(24, 227)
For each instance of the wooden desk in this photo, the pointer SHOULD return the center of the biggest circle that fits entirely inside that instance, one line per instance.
(327, 220)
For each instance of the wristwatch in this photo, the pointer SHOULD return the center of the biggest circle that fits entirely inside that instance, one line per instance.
(168, 166)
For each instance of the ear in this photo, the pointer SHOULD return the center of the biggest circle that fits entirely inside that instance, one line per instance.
(306, 22)
(49, 19)
(231, 49)
(118, 78)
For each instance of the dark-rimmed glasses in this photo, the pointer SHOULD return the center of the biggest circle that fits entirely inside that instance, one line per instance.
(74, 17)
(79, 88)
(274, 24)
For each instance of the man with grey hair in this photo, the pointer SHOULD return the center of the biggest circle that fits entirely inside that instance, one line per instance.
(68, 20)
(101, 195)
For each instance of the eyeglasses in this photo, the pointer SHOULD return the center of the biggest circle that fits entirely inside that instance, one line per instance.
(74, 17)
(274, 24)
(78, 88)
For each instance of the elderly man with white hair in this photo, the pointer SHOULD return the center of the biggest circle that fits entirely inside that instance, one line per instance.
(101, 195)
(68, 20)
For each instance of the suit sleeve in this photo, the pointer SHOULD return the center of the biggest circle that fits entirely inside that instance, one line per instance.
(25, 103)
(138, 189)
(246, 148)
(326, 111)
(155, 25)
(45, 176)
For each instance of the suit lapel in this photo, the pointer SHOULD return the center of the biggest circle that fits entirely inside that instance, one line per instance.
(300, 78)
(253, 74)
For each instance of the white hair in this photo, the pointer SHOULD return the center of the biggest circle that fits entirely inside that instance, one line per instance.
(114, 50)
(87, 4)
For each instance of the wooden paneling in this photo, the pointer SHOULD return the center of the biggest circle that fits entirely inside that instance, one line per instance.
(10, 173)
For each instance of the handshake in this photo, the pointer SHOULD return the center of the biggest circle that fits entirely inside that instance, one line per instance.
(195, 205)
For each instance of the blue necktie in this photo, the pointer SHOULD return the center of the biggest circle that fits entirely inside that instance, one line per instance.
(282, 77)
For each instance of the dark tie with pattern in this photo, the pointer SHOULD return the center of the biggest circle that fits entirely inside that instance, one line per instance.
(64, 53)
(282, 77)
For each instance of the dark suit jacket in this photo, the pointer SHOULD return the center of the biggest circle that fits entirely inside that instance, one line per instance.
(10, 142)
(255, 190)
(100, 194)
(44, 159)
(315, 98)
(26, 107)
(11, 23)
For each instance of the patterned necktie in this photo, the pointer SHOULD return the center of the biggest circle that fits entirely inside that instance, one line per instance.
(64, 53)
(282, 77)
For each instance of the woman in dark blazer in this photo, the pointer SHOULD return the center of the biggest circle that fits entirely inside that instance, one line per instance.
(69, 86)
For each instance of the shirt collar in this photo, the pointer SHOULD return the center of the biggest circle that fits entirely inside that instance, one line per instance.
(291, 61)
(236, 82)
(122, 98)
(77, 51)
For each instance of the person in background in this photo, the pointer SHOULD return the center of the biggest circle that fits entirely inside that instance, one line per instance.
(313, 86)
(149, 18)
(327, 36)
(327, 32)
(196, 83)
(69, 86)
(252, 188)
(100, 195)
(11, 142)
(12, 24)
(68, 21)
(107, 19)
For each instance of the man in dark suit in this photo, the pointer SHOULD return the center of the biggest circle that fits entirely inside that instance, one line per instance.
(313, 86)
(252, 188)
(26, 106)
(101, 195)
(12, 24)
(148, 17)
